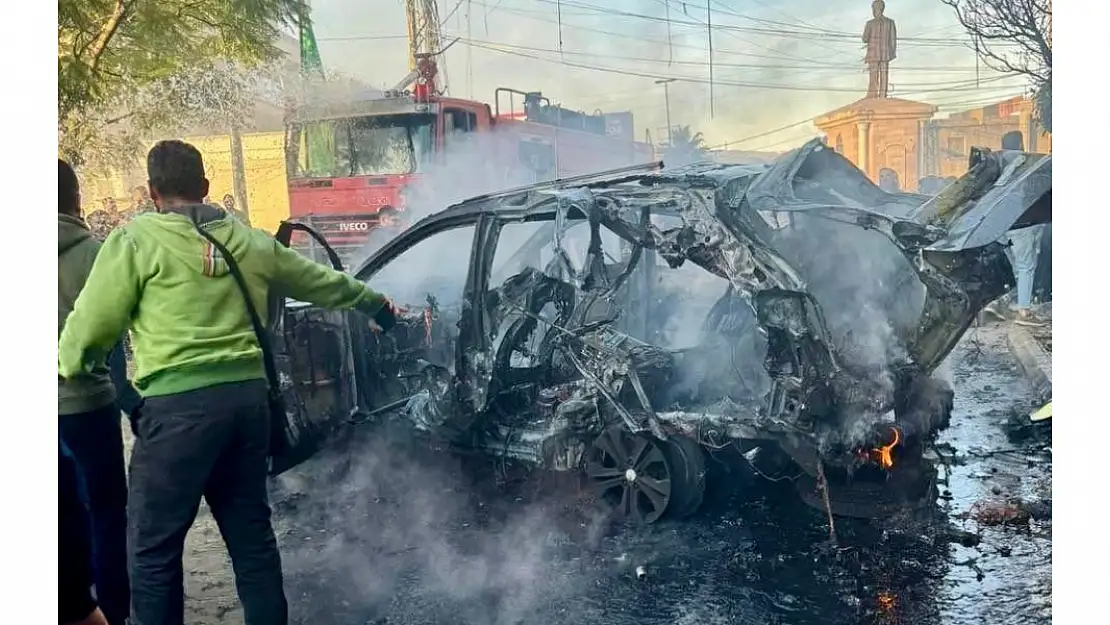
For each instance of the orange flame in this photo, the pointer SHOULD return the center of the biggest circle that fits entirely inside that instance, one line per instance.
(886, 602)
(882, 454)
(428, 326)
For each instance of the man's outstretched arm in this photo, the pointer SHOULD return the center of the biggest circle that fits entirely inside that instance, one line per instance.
(308, 281)
(103, 309)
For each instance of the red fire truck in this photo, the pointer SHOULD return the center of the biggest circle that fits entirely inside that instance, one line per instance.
(373, 149)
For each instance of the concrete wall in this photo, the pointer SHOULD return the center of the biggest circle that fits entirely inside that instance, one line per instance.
(264, 165)
(985, 127)
(844, 138)
(894, 146)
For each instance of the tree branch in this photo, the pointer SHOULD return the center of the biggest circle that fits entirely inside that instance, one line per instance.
(107, 31)
(996, 25)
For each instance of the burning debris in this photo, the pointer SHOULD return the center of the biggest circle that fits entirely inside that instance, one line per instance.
(882, 455)
(792, 311)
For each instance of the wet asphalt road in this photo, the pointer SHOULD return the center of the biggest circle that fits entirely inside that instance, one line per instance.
(386, 533)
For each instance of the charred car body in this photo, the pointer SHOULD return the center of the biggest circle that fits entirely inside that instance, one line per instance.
(623, 324)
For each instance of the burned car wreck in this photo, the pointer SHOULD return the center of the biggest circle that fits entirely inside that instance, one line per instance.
(629, 323)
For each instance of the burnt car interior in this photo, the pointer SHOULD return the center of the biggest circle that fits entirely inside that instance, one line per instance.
(623, 323)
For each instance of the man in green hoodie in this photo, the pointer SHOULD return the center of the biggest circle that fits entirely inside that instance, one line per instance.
(89, 411)
(204, 428)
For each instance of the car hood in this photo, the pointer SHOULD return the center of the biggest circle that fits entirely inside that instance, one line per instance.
(1001, 191)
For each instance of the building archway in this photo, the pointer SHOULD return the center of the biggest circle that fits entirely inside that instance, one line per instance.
(893, 157)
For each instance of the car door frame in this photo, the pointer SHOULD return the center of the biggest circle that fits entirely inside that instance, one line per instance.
(474, 317)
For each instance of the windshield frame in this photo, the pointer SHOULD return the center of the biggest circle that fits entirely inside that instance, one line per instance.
(420, 129)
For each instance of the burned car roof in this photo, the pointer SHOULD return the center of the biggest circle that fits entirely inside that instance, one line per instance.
(734, 218)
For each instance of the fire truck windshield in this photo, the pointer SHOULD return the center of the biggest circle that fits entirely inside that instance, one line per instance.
(376, 145)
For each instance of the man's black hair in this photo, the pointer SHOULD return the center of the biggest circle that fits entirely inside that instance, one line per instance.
(68, 189)
(1012, 140)
(175, 169)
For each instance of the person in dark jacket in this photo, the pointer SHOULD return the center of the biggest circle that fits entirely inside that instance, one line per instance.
(388, 227)
(76, 604)
(204, 427)
(89, 410)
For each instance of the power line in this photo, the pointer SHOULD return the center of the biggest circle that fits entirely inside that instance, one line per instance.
(763, 134)
(962, 105)
(772, 22)
(363, 38)
(811, 66)
(779, 32)
(968, 85)
(535, 16)
(538, 16)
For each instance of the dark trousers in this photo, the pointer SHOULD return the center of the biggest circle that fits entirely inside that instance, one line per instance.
(95, 439)
(211, 442)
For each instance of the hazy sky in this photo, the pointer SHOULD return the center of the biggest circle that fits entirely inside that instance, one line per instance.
(776, 62)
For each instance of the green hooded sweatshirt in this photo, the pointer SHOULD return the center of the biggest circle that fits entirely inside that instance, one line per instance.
(189, 324)
(77, 250)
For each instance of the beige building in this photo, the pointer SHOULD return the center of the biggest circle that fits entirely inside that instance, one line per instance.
(903, 136)
(984, 127)
(880, 133)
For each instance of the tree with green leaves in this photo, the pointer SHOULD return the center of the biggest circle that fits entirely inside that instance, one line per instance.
(126, 67)
(686, 146)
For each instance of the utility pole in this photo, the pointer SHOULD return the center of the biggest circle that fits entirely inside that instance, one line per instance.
(667, 102)
(238, 171)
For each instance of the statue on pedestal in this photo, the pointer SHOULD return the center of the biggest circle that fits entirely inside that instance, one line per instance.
(881, 38)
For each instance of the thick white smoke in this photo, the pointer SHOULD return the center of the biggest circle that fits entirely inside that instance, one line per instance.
(474, 164)
(360, 533)
(389, 521)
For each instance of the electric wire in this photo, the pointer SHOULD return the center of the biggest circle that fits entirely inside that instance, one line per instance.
(969, 85)
(815, 66)
(778, 32)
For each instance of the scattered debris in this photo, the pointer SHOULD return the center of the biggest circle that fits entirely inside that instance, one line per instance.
(1009, 513)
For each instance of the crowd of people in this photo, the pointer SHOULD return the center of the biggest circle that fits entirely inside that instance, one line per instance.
(109, 217)
(188, 283)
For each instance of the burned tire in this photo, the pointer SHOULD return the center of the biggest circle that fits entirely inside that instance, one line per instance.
(631, 472)
(688, 464)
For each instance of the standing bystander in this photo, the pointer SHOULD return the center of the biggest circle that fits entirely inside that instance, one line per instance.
(1023, 251)
(140, 202)
(89, 409)
(76, 603)
(229, 206)
(204, 429)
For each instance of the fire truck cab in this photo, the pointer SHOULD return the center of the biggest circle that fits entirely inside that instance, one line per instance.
(350, 163)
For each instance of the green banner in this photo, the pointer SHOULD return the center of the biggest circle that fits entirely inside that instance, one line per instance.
(310, 53)
(319, 137)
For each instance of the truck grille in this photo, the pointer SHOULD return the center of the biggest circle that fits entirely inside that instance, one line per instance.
(346, 233)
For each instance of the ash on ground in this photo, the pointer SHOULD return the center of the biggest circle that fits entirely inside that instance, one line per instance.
(391, 531)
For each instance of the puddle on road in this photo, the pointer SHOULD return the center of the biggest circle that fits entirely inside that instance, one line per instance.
(1016, 566)
(422, 548)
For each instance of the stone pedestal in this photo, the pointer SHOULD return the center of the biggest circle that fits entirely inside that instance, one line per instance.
(880, 133)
